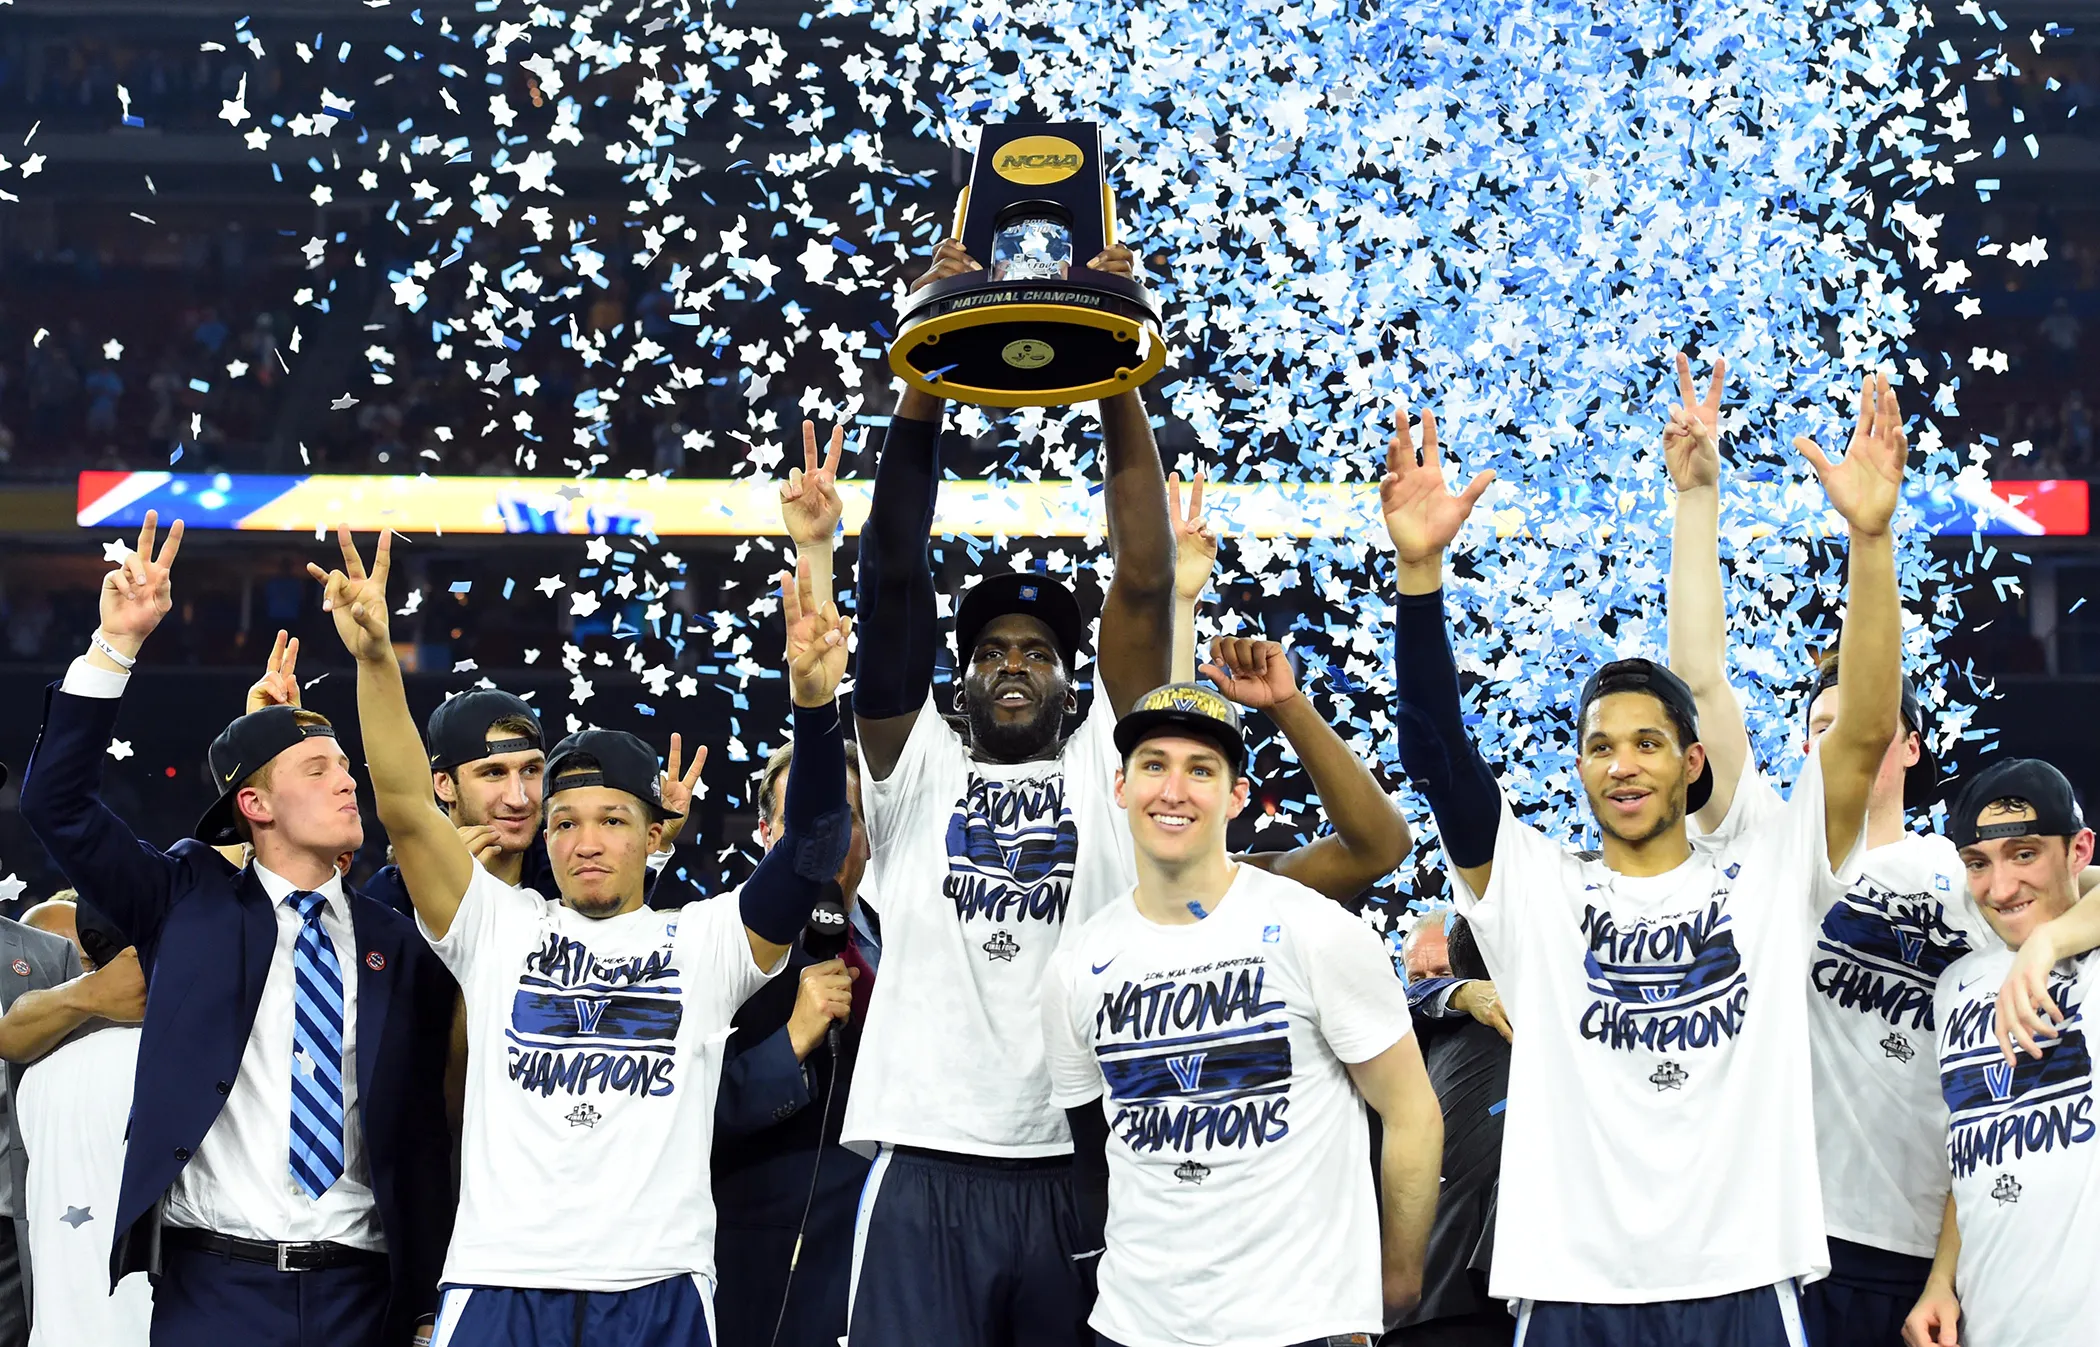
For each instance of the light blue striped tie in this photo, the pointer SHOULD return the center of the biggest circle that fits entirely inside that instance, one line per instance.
(317, 1052)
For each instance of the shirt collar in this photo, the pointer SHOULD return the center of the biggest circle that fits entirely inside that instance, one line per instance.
(279, 888)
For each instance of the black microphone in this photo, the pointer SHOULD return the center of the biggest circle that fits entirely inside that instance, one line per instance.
(825, 939)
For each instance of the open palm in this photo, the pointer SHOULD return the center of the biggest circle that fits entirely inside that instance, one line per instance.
(1422, 515)
(1865, 484)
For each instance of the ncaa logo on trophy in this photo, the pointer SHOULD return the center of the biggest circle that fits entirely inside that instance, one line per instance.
(1037, 327)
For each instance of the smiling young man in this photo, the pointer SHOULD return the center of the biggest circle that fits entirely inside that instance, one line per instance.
(1658, 1182)
(1877, 948)
(985, 844)
(2014, 1267)
(1215, 1019)
(595, 1024)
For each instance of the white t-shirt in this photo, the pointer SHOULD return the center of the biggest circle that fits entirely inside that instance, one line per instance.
(1659, 1140)
(73, 1109)
(1241, 1210)
(2020, 1141)
(1877, 951)
(594, 1056)
(981, 866)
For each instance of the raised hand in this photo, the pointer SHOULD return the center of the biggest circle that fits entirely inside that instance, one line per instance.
(279, 685)
(1117, 260)
(678, 790)
(137, 595)
(1422, 516)
(1251, 672)
(358, 600)
(1692, 436)
(1195, 546)
(949, 259)
(809, 498)
(816, 640)
(1865, 485)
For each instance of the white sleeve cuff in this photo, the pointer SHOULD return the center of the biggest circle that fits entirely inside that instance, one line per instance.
(85, 680)
(659, 859)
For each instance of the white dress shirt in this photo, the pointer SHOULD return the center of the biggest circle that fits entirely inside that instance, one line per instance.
(240, 1181)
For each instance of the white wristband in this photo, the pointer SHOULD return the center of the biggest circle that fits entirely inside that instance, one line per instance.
(123, 662)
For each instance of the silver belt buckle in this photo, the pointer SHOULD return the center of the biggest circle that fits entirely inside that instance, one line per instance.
(284, 1257)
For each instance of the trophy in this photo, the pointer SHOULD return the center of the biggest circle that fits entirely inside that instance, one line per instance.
(1037, 327)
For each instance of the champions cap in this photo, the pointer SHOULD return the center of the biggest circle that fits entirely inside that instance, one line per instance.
(2028, 781)
(1185, 708)
(1038, 596)
(624, 763)
(458, 731)
(1645, 675)
(238, 753)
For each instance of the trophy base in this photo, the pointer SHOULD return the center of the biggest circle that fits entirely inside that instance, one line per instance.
(1041, 342)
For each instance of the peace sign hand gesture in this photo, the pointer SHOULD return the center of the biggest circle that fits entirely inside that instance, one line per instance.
(358, 600)
(816, 640)
(279, 685)
(1422, 515)
(1864, 485)
(137, 595)
(1195, 546)
(678, 790)
(809, 498)
(1692, 437)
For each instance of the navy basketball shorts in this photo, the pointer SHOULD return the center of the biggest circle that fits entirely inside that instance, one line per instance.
(1866, 1297)
(675, 1312)
(966, 1251)
(1764, 1316)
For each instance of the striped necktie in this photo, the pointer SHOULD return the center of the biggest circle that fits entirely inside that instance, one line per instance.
(317, 1052)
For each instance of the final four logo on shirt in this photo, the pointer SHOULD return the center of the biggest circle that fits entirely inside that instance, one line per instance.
(583, 1115)
(2006, 1189)
(1898, 1047)
(1191, 1171)
(1002, 946)
(1668, 1076)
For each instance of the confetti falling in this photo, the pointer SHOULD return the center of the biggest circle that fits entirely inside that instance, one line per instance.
(1514, 214)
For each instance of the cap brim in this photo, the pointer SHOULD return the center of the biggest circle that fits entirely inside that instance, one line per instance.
(1138, 726)
(215, 825)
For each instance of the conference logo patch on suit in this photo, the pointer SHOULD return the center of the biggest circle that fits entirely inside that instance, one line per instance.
(1012, 849)
(581, 1024)
(2000, 1111)
(1880, 953)
(1670, 983)
(1196, 1062)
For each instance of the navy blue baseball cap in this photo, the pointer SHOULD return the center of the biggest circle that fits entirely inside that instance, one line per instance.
(1038, 596)
(458, 731)
(622, 760)
(239, 752)
(2051, 805)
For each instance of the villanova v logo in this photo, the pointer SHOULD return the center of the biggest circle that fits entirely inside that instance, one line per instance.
(1911, 945)
(1999, 1077)
(1188, 1071)
(588, 1011)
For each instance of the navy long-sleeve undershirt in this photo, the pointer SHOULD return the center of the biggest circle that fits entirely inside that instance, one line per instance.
(814, 836)
(898, 619)
(1436, 750)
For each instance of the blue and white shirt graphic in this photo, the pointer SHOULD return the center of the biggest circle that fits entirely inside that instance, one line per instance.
(594, 1054)
(2023, 1148)
(983, 867)
(1218, 1051)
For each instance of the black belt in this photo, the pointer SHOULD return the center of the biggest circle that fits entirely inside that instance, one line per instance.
(1006, 1162)
(284, 1257)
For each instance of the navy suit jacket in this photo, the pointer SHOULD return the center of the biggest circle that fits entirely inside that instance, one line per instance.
(206, 934)
(769, 1115)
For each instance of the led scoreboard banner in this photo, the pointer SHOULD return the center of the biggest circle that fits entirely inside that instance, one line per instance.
(744, 507)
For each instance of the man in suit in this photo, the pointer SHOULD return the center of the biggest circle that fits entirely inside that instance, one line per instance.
(34, 967)
(778, 1115)
(288, 1177)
